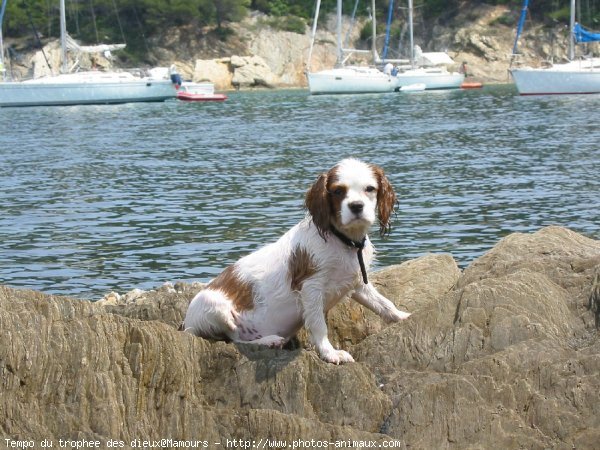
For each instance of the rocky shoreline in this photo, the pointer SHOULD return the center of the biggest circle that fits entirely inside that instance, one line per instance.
(505, 354)
(258, 56)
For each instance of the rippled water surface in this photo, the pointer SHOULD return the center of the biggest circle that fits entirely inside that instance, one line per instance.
(99, 198)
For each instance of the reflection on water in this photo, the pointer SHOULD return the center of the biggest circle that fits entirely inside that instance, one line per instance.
(115, 197)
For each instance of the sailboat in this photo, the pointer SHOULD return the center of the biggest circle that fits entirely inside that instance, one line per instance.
(347, 79)
(578, 76)
(425, 68)
(90, 87)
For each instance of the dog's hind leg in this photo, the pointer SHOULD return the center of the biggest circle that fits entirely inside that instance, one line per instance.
(272, 341)
(211, 315)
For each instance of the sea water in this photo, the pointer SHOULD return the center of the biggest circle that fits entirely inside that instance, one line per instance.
(116, 197)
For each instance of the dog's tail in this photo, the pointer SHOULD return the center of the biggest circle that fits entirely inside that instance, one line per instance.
(210, 315)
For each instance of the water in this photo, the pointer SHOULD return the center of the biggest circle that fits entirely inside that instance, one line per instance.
(100, 198)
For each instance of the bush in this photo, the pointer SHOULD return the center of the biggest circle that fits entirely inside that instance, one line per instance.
(507, 19)
(288, 23)
(562, 15)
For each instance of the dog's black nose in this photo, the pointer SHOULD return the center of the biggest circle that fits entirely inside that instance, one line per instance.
(356, 207)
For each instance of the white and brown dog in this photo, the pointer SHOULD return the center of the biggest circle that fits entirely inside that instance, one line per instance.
(265, 297)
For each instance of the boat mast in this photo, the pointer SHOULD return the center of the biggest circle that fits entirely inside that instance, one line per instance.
(63, 36)
(340, 54)
(388, 27)
(314, 32)
(410, 28)
(571, 32)
(2, 69)
(520, 26)
(373, 33)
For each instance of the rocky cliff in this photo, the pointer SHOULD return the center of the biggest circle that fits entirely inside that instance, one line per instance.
(480, 35)
(505, 354)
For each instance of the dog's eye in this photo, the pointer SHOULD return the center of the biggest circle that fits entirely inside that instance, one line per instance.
(371, 189)
(338, 192)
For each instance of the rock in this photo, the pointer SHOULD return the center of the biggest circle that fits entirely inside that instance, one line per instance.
(504, 354)
(167, 304)
(282, 55)
(74, 370)
(52, 54)
(241, 72)
(251, 71)
(216, 71)
(110, 299)
(500, 358)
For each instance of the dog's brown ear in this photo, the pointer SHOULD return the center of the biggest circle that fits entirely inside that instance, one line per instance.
(386, 200)
(317, 204)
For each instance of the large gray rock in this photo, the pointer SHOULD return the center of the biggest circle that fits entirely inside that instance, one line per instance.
(217, 71)
(251, 71)
(509, 357)
(505, 354)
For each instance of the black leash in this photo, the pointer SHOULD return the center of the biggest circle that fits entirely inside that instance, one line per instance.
(354, 244)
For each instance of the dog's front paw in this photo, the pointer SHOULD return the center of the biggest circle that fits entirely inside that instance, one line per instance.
(396, 316)
(336, 356)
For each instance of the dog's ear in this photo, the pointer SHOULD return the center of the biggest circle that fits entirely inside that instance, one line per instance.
(386, 200)
(317, 204)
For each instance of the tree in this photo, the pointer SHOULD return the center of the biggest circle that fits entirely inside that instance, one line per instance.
(230, 10)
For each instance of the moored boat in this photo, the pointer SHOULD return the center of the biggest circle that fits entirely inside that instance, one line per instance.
(350, 80)
(433, 78)
(428, 68)
(199, 92)
(343, 79)
(83, 88)
(79, 88)
(417, 87)
(578, 76)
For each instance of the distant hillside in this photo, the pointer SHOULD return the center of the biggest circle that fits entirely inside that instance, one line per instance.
(479, 34)
(141, 23)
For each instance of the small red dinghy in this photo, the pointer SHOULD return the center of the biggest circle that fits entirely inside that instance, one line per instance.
(471, 85)
(188, 97)
(199, 92)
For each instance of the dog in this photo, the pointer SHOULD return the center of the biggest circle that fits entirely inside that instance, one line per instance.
(268, 295)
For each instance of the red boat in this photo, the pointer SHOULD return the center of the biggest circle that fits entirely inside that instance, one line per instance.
(199, 92)
(471, 85)
(190, 97)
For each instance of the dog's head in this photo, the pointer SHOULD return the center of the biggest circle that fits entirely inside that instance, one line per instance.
(351, 197)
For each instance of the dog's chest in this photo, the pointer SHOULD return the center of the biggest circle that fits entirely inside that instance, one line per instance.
(343, 266)
(340, 280)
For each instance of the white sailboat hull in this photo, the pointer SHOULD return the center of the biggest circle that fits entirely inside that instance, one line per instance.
(571, 78)
(85, 88)
(350, 80)
(431, 78)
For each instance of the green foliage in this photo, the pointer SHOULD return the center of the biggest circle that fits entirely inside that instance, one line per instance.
(435, 8)
(288, 23)
(366, 32)
(135, 17)
(562, 15)
(278, 7)
(230, 10)
(506, 19)
(16, 18)
(133, 21)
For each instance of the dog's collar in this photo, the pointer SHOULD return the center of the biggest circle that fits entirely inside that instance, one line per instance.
(354, 244)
